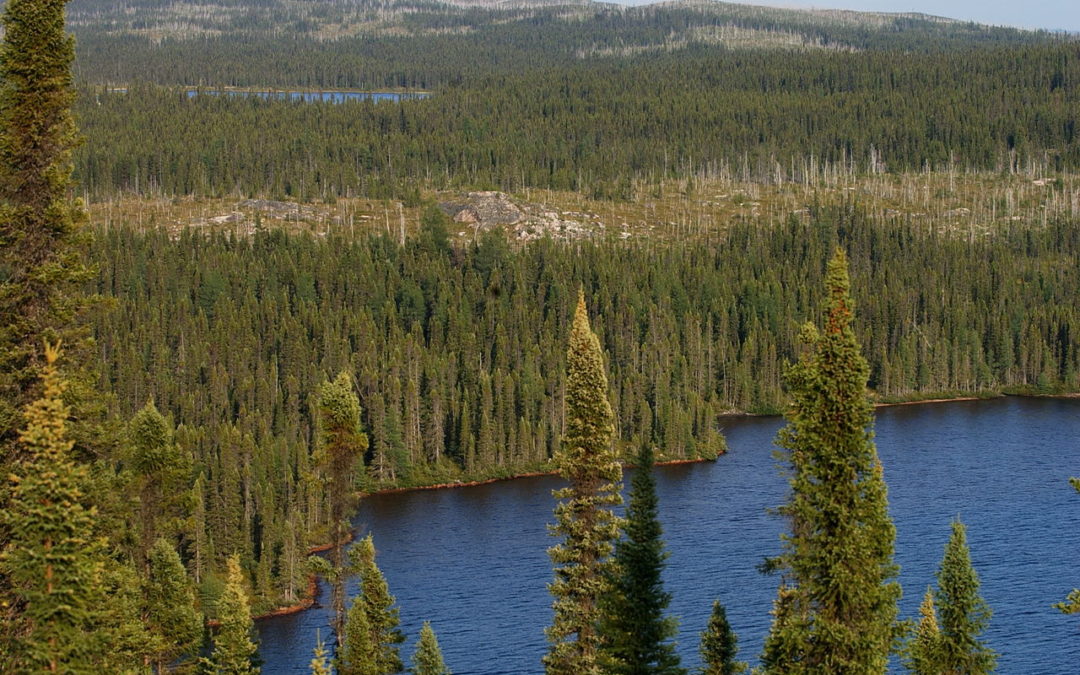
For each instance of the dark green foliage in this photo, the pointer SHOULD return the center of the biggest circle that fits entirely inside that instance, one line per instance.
(583, 515)
(962, 613)
(169, 607)
(690, 331)
(758, 114)
(371, 629)
(636, 634)
(719, 645)
(342, 445)
(53, 562)
(234, 651)
(428, 658)
(838, 556)
(161, 480)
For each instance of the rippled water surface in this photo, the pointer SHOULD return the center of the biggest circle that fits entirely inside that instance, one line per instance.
(473, 561)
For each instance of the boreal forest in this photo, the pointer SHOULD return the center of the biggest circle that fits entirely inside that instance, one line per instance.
(239, 292)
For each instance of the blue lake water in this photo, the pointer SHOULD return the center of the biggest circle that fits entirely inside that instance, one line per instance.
(316, 96)
(473, 561)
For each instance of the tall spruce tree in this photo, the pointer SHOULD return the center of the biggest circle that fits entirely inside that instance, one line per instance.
(53, 563)
(342, 443)
(587, 459)
(41, 226)
(41, 232)
(235, 653)
(962, 612)
(162, 480)
(840, 616)
(636, 634)
(371, 629)
(169, 607)
(719, 645)
(428, 658)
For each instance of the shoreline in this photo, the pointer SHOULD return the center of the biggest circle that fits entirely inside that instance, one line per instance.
(308, 599)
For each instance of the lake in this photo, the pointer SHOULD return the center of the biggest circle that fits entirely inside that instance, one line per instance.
(315, 96)
(473, 561)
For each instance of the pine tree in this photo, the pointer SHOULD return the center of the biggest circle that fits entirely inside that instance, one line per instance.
(234, 651)
(428, 658)
(586, 459)
(342, 444)
(841, 616)
(371, 629)
(962, 611)
(169, 607)
(923, 652)
(1071, 605)
(719, 645)
(633, 627)
(52, 561)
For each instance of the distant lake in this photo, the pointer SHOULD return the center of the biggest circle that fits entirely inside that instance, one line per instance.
(315, 96)
(473, 560)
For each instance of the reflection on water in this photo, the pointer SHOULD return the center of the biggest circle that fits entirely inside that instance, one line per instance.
(473, 561)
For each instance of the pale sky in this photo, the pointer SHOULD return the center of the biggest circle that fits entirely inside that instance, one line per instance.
(1049, 14)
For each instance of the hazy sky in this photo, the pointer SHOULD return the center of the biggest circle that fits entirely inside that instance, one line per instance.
(1050, 14)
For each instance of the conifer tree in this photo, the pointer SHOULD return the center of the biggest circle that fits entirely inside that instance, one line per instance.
(161, 477)
(962, 612)
(428, 658)
(358, 654)
(52, 561)
(841, 613)
(587, 460)
(371, 630)
(636, 634)
(235, 653)
(169, 607)
(40, 225)
(342, 443)
(719, 645)
(922, 655)
(319, 665)
(1071, 605)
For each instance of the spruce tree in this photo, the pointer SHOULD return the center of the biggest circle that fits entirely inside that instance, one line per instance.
(838, 559)
(41, 226)
(54, 564)
(636, 634)
(587, 460)
(719, 645)
(169, 607)
(428, 658)
(235, 653)
(319, 664)
(922, 655)
(342, 443)
(962, 612)
(161, 477)
(371, 629)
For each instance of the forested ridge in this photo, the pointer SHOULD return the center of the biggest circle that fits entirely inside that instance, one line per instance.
(457, 351)
(588, 125)
(242, 375)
